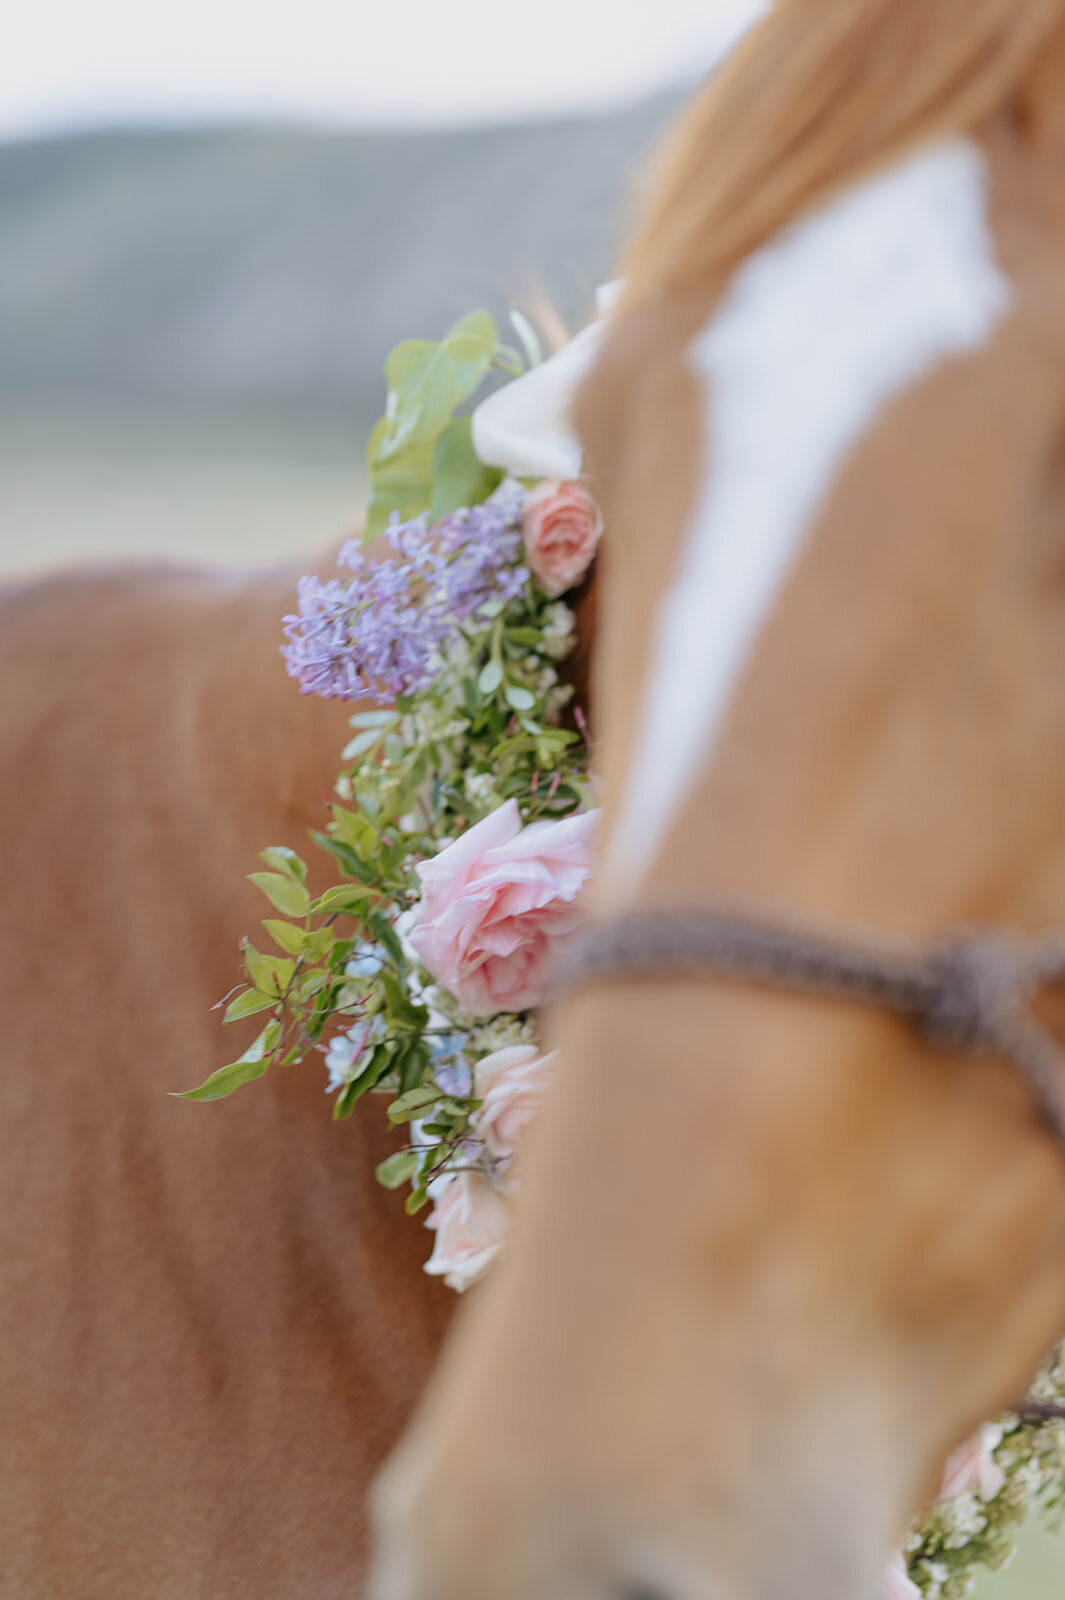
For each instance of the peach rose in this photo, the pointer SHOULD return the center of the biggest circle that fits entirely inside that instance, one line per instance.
(561, 525)
(974, 1466)
(896, 1583)
(512, 1084)
(470, 1221)
(494, 903)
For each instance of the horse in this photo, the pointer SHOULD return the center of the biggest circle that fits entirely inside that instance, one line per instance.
(775, 1254)
(213, 1321)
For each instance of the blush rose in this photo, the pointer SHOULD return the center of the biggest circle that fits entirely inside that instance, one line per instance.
(974, 1466)
(561, 526)
(494, 903)
(896, 1583)
(470, 1222)
(512, 1084)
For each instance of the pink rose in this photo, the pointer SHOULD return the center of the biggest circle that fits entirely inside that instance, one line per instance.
(493, 904)
(470, 1220)
(512, 1084)
(974, 1466)
(562, 525)
(896, 1583)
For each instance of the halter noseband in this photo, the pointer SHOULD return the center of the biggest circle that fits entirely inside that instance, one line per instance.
(971, 992)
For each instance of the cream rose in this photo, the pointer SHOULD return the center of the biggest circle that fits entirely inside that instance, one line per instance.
(470, 1222)
(512, 1084)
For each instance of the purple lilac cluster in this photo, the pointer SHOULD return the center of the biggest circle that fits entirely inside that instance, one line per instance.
(384, 632)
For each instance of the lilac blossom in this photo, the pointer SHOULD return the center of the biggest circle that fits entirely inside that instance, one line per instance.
(384, 632)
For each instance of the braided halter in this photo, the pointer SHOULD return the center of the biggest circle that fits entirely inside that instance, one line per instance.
(972, 992)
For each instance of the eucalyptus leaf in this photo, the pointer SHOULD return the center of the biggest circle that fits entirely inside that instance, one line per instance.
(491, 677)
(361, 743)
(518, 698)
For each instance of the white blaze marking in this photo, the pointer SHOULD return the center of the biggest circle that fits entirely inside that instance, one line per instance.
(818, 331)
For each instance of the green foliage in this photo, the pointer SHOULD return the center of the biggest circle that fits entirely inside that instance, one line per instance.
(344, 980)
(419, 456)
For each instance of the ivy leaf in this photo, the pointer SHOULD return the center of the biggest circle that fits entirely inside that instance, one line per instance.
(460, 477)
(251, 1065)
(283, 892)
(396, 1171)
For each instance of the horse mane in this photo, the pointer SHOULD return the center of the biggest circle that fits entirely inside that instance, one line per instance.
(820, 93)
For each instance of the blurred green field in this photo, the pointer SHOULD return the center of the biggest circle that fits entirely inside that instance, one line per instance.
(85, 485)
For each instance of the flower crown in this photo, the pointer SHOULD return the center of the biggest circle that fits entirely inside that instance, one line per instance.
(463, 834)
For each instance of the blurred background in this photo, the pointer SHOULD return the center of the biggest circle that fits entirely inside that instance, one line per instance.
(215, 223)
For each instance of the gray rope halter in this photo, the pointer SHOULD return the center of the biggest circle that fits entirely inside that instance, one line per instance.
(971, 993)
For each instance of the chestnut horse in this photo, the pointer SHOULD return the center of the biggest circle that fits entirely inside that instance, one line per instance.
(213, 1322)
(775, 1257)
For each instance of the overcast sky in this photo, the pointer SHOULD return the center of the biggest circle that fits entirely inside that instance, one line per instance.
(386, 62)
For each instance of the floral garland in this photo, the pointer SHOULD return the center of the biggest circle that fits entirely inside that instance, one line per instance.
(463, 834)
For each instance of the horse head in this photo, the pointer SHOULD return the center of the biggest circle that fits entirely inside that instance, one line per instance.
(775, 1257)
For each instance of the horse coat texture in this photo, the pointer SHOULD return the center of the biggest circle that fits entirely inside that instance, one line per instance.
(212, 1320)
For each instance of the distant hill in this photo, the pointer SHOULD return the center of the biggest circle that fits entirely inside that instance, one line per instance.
(275, 267)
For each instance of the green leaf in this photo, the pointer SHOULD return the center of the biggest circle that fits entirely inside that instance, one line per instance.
(373, 719)
(270, 974)
(320, 944)
(386, 935)
(286, 936)
(403, 483)
(518, 698)
(378, 1066)
(285, 861)
(361, 743)
(423, 390)
(409, 1105)
(313, 984)
(426, 382)
(491, 677)
(471, 343)
(354, 829)
(345, 896)
(396, 1171)
(247, 1004)
(416, 1201)
(251, 1065)
(288, 896)
(525, 636)
(460, 477)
